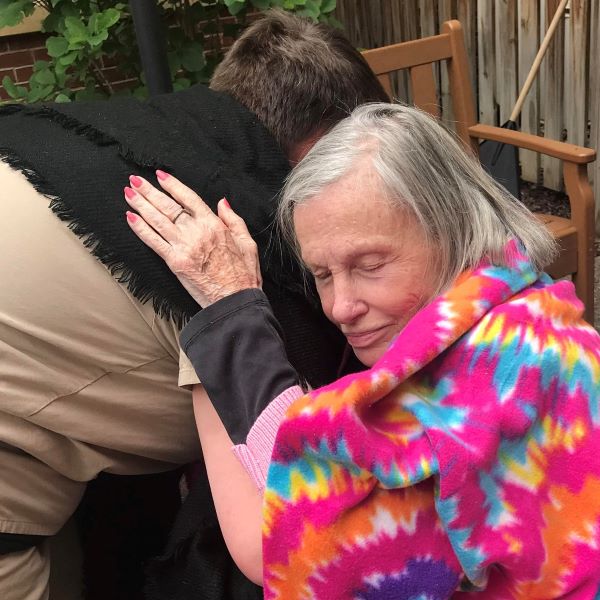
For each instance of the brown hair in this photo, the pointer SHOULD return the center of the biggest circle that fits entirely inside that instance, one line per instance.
(297, 76)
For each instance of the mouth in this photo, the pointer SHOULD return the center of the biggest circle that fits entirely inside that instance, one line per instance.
(362, 339)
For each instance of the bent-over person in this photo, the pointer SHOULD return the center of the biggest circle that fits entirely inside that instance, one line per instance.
(92, 378)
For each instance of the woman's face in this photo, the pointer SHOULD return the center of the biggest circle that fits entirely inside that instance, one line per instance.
(371, 265)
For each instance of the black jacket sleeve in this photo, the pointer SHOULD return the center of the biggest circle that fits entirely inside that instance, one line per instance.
(237, 350)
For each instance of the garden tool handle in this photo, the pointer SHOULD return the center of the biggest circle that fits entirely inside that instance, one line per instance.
(538, 60)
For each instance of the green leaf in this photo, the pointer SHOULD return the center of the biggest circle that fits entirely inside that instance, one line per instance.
(192, 58)
(328, 6)
(10, 87)
(235, 6)
(52, 23)
(13, 13)
(68, 59)
(181, 83)
(311, 10)
(68, 9)
(76, 31)
(56, 46)
(331, 21)
(62, 98)
(261, 4)
(44, 77)
(37, 93)
(97, 39)
(108, 18)
(141, 93)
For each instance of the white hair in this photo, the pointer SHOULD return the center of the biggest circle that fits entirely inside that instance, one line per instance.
(465, 215)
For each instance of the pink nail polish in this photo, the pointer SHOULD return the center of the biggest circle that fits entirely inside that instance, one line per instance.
(129, 192)
(226, 202)
(161, 174)
(135, 181)
(131, 217)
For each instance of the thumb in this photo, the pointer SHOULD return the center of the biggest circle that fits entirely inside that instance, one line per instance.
(241, 235)
(234, 222)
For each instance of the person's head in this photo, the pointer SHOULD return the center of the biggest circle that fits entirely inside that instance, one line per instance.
(297, 76)
(387, 210)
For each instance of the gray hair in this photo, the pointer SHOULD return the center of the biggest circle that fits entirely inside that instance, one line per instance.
(465, 214)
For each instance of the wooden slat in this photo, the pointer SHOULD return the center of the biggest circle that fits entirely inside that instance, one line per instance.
(411, 54)
(576, 47)
(424, 92)
(406, 14)
(386, 82)
(506, 57)
(445, 13)
(460, 88)
(551, 92)
(428, 24)
(528, 42)
(428, 21)
(595, 102)
(466, 13)
(486, 70)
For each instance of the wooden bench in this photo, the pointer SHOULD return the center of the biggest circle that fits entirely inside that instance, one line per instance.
(575, 235)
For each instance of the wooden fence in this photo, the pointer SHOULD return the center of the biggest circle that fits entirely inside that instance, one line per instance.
(502, 38)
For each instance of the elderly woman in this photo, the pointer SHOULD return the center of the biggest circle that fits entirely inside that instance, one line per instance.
(465, 457)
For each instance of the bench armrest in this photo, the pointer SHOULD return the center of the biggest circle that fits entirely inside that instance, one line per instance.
(561, 150)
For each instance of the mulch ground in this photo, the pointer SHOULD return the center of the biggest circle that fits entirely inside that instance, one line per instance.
(544, 200)
(541, 199)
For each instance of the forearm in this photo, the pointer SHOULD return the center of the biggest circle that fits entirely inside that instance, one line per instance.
(237, 500)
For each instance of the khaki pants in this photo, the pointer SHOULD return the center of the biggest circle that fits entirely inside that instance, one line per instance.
(88, 381)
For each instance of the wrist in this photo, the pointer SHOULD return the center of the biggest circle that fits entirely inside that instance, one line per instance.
(226, 292)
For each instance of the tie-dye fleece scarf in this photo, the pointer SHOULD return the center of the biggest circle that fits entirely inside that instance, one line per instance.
(467, 458)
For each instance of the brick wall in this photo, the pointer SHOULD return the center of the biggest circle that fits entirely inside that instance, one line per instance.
(17, 55)
(19, 52)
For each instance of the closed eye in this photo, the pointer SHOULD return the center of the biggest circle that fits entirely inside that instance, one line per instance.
(321, 275)
(370, 267)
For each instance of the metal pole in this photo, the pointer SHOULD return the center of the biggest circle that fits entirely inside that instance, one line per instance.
(150, 35)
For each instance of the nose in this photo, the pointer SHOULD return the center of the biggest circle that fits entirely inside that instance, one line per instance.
(346, 304)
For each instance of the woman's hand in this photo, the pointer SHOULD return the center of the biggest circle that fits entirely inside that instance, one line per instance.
(212, 256)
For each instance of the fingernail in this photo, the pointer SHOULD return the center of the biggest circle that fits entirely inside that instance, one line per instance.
(135, 181)
(225, 202)
(161, 174)
(131, 217)
(129, 192)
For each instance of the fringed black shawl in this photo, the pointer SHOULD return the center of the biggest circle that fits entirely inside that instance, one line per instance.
(80, 154)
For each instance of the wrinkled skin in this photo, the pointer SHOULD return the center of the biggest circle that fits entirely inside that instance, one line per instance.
(213, 256)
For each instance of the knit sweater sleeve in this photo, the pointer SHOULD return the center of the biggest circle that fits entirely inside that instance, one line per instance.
(256, 453)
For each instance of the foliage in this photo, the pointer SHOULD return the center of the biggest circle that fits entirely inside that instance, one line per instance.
(85, 33)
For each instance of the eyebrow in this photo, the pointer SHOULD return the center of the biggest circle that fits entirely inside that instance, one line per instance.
(355, 254)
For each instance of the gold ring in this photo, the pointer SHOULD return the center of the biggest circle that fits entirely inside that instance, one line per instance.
(181, 211)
